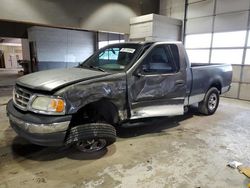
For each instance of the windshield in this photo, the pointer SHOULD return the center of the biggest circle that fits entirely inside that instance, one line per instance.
(116, 57)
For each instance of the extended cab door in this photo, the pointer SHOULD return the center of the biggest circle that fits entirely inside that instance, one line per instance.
(157, 86)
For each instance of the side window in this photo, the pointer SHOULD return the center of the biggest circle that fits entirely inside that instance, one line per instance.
(162, 59)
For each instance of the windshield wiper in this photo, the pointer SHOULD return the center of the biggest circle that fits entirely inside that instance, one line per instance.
(93, 67)
(97, 68)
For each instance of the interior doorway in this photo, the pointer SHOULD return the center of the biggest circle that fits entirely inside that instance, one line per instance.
(10, 53)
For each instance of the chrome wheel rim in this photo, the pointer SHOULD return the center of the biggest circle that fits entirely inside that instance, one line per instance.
(91, 145)
(212, 101)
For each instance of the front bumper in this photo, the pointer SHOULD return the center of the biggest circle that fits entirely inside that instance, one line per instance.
(39, 129)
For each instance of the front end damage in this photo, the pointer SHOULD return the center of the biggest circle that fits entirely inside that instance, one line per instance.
(57, 131)
(39, 129)
(86, 103)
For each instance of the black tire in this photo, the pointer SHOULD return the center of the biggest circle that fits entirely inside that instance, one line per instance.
(210, 103)
(186, 109)
(100, 133)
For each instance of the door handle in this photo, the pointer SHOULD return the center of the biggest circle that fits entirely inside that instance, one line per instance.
(179, 82)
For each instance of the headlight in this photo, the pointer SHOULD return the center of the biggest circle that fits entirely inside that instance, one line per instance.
(48, 105)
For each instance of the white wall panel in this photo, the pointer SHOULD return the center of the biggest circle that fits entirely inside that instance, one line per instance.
(231, 22)
(57, 48)
(233, 92)
(248, 41)
(223, 6)
(51, 51)
(236, 73)
(244, 91)
(247, 59)
(198, 56)
(229, 56)
(156, 27)
(199, 25)
(47, 34)
(139, 30)
(167, 32)
(198, 41)
(173, 8)
(178, 12)
(164, 4)
(228, 25)
(246, 75)
(229, 39)
(194, 1)
(203, 8)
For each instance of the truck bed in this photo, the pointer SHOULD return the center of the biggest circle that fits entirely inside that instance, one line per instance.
(202, 64)
(204, 74)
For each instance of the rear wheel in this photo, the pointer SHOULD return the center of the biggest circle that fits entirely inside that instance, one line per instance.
(210, 103)
(186, 109)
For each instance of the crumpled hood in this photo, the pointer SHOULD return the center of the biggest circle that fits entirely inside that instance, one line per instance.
(52, 79)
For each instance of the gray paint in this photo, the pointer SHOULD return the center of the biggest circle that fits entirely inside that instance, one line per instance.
(205, 75)
(112, 88)
(52, 79)
(129, 92)
(159, 90)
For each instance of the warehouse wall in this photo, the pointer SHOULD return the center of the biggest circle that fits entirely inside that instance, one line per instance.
(38, 11)
(217, 31)
(173, 8)
(106, 15)
(61, 48)
(115, 15)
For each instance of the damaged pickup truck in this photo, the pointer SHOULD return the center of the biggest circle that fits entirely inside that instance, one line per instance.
(82, 106)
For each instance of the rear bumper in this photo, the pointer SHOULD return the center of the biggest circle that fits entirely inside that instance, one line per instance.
(225, 89)
(39, 129)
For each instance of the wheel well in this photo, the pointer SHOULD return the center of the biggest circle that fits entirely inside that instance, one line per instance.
(216, 85)
(102, 110)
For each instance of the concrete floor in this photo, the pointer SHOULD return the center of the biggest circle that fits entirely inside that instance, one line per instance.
(8, 77)
(187, 151)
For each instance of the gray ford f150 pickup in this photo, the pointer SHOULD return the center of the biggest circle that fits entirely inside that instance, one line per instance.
(82, 106)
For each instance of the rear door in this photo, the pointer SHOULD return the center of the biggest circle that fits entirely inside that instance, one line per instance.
(157, 87)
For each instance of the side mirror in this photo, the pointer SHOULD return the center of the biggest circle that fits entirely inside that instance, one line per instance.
(138, 73)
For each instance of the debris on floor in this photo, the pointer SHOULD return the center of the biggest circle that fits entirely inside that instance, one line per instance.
(242, 169)
(234, 164)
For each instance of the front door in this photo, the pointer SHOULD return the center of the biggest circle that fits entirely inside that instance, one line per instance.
(158, 85)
